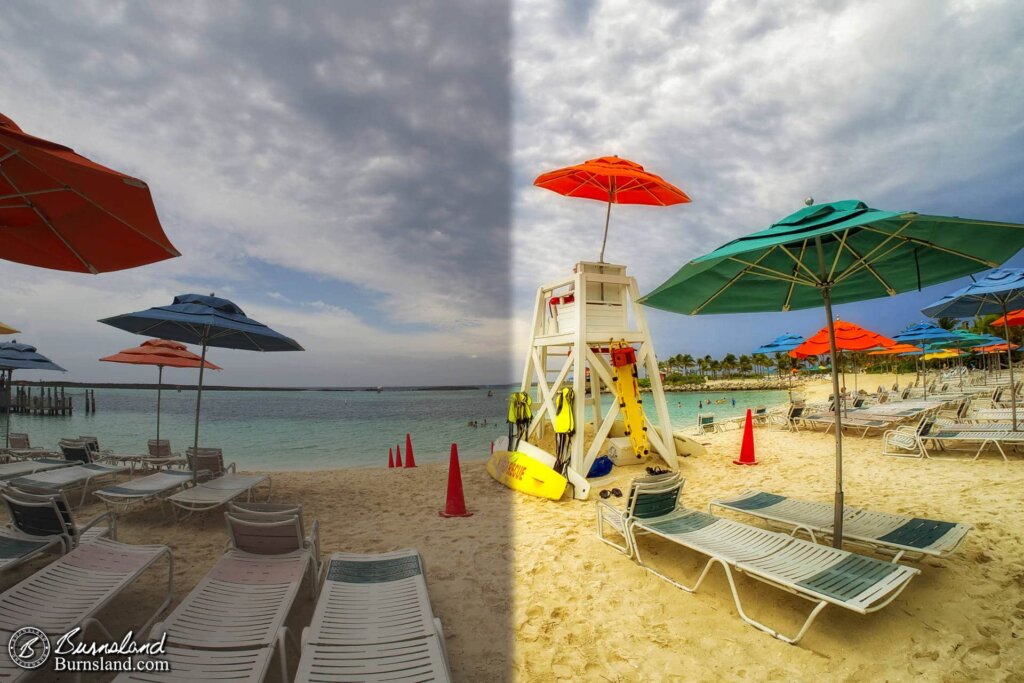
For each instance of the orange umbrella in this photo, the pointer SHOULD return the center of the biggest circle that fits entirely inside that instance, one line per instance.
(161, 353)
(60, 210)
(849, 337)
(1012, 318)
(612, 180)
(995, 348)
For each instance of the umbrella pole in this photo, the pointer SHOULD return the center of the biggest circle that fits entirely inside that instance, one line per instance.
(1009, 359)
(837, 522)
(199, 398)
(607, 218)
(159, 386)
(10, 406)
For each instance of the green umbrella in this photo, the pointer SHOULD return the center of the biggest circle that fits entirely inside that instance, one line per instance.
(835, 253)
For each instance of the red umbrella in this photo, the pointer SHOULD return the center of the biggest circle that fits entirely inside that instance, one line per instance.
(60, 210)
(849, 337)
(612, 180)
(1012, 319)
(161, 353)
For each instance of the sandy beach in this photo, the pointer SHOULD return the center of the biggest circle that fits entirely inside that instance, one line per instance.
(526, 592)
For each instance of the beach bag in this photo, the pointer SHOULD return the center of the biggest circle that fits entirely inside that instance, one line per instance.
(601, 467)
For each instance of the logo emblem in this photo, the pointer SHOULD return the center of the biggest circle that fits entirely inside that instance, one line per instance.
(29, 648)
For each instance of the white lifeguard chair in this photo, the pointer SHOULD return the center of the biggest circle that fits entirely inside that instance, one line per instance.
(576, 318)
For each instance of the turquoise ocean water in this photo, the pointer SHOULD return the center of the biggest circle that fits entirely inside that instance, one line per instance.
(283, 430)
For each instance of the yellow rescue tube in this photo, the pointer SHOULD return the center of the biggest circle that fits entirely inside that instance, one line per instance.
(520, 472)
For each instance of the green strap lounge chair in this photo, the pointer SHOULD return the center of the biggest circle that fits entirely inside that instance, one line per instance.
(49, 515)
(897, 535)
(373, 622)
(820, 574)
(706, 423)
(72, 591)
(913, 442)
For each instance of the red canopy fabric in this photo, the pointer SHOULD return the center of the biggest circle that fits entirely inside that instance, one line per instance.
(994, 348)
(160, 352)
(611, 179)
(62, 211)
(849, 337)
(1012, 319)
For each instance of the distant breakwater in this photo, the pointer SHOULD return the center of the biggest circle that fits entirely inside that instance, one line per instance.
(732, 385)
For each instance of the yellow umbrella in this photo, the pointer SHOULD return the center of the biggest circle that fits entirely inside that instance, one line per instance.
(7, 329)
(942, 355)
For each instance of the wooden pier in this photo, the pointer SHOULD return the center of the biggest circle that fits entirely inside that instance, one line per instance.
(45, 401)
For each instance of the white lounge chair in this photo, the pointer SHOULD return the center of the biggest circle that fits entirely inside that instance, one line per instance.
(817, 573)
(12, 470)
(137, 492)
(217, 492)
(896, 535)
(73, 590)
(373, 622)
(67, 478)
(49, 515)
(231, 624)
(911, 442)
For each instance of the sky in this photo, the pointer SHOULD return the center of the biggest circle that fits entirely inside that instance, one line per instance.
(359, 175)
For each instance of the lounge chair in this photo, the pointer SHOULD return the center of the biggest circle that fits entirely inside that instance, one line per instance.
(233, 621)
(67, 478)
(73, 590)
(11, 470)
(789, 421)
(373, 622)
(865, 424)
(759, 415)
(817, 573)
(911, 442)
(896, 535)
(706, 423)
(159, 456)
(36, 518)
(217, 492)
(137, 492)
(20, 448)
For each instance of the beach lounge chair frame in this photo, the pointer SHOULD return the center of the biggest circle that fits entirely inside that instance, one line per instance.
(233, 621)
(21, 468)
(374, 618)
(893, 535)
(816, 573)
(911, 442)
(655, 493)
(34, 515)
(137, 492)
(791, 420)
(74, 589)
(216, 492)
(65, 479)
(706, 423)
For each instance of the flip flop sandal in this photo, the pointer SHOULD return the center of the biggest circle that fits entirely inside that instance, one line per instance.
(617, 493)
(606, 493)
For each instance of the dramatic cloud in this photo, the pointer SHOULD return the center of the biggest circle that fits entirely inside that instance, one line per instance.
(340, 169)
(750, 107)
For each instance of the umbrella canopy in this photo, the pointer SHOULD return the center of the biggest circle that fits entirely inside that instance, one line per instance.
(923, 333)
(835, 252)
(781, 344)
(1013, 319)
(848, 337)
(208, 321)
(1001, 291)
(612, 180)
(60, 210)
(898, 349)
(996, 348)
(962, 339)
(15, 356)
(161, 353)
(942, 354)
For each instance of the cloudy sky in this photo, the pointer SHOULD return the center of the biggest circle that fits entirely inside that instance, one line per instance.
(358, 175)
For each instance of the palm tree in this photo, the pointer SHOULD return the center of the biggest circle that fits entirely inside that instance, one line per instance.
(947, 323)
(729, 363)
(745, 365)
(707, 362)
(687, 361)
(716, 366)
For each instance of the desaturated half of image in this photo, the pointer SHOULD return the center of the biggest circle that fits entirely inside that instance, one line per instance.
(310, 202)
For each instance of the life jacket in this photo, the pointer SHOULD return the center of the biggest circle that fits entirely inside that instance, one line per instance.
(565, 418)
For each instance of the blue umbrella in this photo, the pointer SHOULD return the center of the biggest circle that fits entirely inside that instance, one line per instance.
(207, 321)
(781, 344)
(15, 356)
(923, 333)
(1001, 291)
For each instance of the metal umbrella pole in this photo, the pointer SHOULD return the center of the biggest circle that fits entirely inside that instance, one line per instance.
(10, 407)
(826, 295)
(159, 388)
(199, 399)
(1009, 359)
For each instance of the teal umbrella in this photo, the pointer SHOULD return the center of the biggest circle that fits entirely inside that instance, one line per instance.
(835, 253)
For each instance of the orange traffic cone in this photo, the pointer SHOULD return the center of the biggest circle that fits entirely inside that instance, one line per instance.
(747, 449)
(391, 458)
(455, 506)
(409, 461)
(398, 456)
